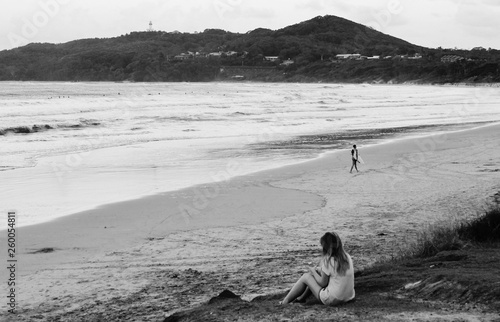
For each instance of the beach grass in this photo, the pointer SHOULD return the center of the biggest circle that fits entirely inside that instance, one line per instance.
(455, 236)
(483, 229)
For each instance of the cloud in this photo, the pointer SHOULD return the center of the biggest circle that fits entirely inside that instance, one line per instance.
(258, 13)
(481, 3)
(425, 22)
(311, 5)
(473, 15)
(477, 21)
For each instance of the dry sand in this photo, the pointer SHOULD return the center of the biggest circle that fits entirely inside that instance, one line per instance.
(253, 234)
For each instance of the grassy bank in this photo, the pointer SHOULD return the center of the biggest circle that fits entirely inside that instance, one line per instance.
(456, 236)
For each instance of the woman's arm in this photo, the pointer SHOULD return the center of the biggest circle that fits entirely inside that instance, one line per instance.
(320, 277)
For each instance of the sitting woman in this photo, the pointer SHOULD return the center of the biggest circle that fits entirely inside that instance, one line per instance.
(333, 282)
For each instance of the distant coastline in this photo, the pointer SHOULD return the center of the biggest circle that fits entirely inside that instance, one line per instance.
(374, 82)
(322, 49)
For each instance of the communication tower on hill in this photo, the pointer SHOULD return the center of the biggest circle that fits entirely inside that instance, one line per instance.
(150, 27)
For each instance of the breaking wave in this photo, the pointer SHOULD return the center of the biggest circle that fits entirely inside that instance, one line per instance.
(27, 129)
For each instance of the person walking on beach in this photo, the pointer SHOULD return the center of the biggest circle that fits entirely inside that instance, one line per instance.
(355, 157)
(332, 282)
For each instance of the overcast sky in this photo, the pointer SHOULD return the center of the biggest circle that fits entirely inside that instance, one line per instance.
(431, 23)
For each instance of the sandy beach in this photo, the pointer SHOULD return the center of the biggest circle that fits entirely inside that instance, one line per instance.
(252, 234)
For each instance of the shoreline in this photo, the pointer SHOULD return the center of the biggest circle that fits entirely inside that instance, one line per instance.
(182, 192)
(402, 186)
(296, 142)
(372, 82)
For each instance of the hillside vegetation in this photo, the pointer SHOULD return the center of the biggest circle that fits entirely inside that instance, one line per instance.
(311, 45)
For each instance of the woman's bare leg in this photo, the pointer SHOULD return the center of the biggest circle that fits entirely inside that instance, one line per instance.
(304, 296)
(353, 165)
(305, 281)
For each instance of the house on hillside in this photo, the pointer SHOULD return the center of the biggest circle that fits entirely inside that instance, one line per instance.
(271, 58)
(342, 56)
(416, 56)
(451, 58)
(183, 56)
(400, 57)
(287, 62)
(348, 56)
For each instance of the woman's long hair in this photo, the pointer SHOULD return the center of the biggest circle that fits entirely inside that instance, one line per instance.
(332, 247)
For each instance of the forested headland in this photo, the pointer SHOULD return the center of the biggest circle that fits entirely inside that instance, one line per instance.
(304, 52)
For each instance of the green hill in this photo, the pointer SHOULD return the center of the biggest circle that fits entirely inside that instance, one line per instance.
(312, 46)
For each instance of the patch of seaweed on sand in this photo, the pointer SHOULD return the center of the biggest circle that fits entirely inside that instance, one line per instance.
(44, 250)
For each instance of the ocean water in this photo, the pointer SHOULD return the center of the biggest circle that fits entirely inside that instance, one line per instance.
(68, 147)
